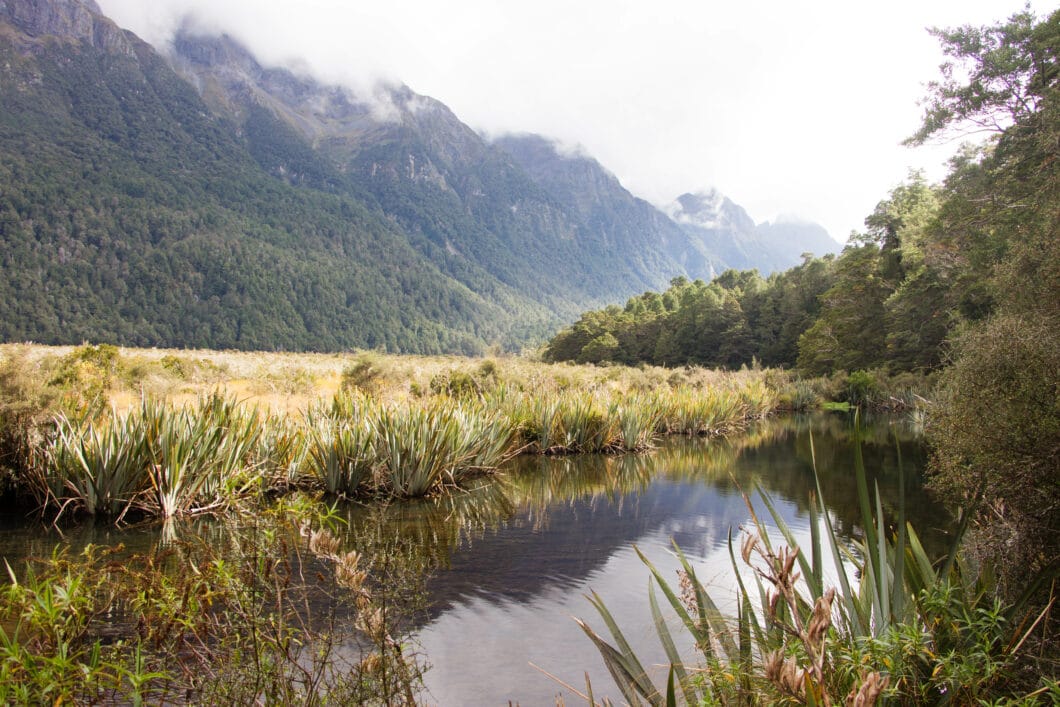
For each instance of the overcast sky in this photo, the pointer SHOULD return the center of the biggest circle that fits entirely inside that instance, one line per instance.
(790, 108)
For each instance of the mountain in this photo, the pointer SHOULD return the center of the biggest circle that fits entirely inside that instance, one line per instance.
(610, 215)
(700, 235)
(787, 240)
(724, 228)
(198, 198)
(466, 203)
(131, 213)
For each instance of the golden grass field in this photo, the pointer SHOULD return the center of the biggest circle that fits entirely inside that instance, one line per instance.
(289, 382)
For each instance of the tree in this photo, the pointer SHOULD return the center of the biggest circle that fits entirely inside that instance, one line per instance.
(997, 433)
(849, 334)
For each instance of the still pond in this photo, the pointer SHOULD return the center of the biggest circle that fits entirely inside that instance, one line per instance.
(512, 560)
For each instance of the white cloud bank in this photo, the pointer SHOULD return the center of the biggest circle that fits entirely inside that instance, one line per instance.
(787, 107)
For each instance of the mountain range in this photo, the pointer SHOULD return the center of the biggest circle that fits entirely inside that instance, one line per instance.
(193, 197)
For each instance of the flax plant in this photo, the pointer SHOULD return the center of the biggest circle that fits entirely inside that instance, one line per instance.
(421, 449)
(488, 435)
(198, 456)
(97, 468)
(898, 627)
(340, 452)
(637, 419)
(585, 427)
(710, 412)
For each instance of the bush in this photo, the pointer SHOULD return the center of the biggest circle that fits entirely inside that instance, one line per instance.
(364, 375)
(996, 438)
(862, 389)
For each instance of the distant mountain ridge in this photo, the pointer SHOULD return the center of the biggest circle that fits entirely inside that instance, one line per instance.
(725, 228)
(198, 198)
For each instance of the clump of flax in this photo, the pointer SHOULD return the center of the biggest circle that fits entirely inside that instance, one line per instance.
(804, 677)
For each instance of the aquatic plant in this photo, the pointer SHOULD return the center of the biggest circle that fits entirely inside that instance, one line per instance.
(637, 420)
(908, 630)
(423, 449)
(703, 412)
(198, 456)
(340, 452)
(97, 468)
(242, 626)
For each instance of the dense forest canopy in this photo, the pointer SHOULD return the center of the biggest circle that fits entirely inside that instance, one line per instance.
(883, 302)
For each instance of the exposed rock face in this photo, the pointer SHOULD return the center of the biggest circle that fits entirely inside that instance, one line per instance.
(470, 200)
(622, 220)
(711, 209)
(78, 20)
(725, 228)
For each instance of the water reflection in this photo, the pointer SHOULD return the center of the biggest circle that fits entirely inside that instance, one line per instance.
(513, 556)
(516, 556)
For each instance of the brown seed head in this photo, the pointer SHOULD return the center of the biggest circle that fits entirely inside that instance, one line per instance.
(323, 543)
(821, 618)
(870, 690)
(749, 542)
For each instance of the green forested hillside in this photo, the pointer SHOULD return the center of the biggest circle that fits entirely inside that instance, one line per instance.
(130, 214)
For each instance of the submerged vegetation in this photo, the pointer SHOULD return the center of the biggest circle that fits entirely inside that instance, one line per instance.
(266, 616)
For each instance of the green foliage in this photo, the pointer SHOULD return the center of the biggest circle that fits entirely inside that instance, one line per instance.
(896, 627)
(131, 214)
(995, 435)
(997, 431)
(341, 452)
(195, 624)
(737, 318)
(460, 385)
(26, 402)
(862, 388)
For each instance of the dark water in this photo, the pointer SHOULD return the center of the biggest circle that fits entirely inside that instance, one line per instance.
(515, 558)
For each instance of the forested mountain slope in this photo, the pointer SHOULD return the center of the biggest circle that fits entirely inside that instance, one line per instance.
(131, 213)
(199, 199)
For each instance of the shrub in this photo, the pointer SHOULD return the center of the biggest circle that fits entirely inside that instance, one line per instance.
(364, 374)
(862, 389)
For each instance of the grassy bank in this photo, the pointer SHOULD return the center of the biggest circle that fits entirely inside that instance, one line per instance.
(101, 431)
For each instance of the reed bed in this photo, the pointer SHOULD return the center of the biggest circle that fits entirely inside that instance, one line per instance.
(161, 459)
(176, 457)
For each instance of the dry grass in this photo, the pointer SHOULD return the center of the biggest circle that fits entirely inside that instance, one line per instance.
(291, 382)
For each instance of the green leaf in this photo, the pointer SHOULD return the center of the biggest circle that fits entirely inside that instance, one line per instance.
(667, 641)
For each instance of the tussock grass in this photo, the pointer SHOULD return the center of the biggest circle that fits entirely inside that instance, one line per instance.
(168, 433)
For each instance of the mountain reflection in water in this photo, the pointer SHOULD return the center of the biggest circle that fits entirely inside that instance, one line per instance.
(516, 555)
(513, 557)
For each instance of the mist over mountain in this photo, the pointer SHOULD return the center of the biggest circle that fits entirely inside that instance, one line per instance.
(724, 228)
(198, 198)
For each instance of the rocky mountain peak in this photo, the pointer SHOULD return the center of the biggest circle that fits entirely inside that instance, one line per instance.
(213, 50)
(710, 209)
(543, 158)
